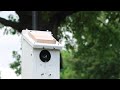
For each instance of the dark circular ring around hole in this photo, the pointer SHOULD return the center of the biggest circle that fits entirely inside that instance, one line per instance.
(45, 55)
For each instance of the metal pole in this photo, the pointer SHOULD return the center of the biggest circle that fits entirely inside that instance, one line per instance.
(34, 20)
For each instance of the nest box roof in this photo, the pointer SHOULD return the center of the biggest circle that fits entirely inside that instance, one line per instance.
(41, 39)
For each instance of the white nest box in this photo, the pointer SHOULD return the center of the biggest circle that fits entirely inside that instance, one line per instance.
(40, 55)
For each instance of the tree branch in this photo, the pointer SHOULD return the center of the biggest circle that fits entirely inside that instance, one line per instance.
(55, 21)
(26, 20)
(14, 25)
(58, 17)
(19, 26)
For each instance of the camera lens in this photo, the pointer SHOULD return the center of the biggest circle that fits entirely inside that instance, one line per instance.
(45, 55)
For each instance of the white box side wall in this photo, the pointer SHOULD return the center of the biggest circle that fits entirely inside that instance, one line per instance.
(27, 60)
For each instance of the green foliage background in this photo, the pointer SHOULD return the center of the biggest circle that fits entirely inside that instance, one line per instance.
(98, 52)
